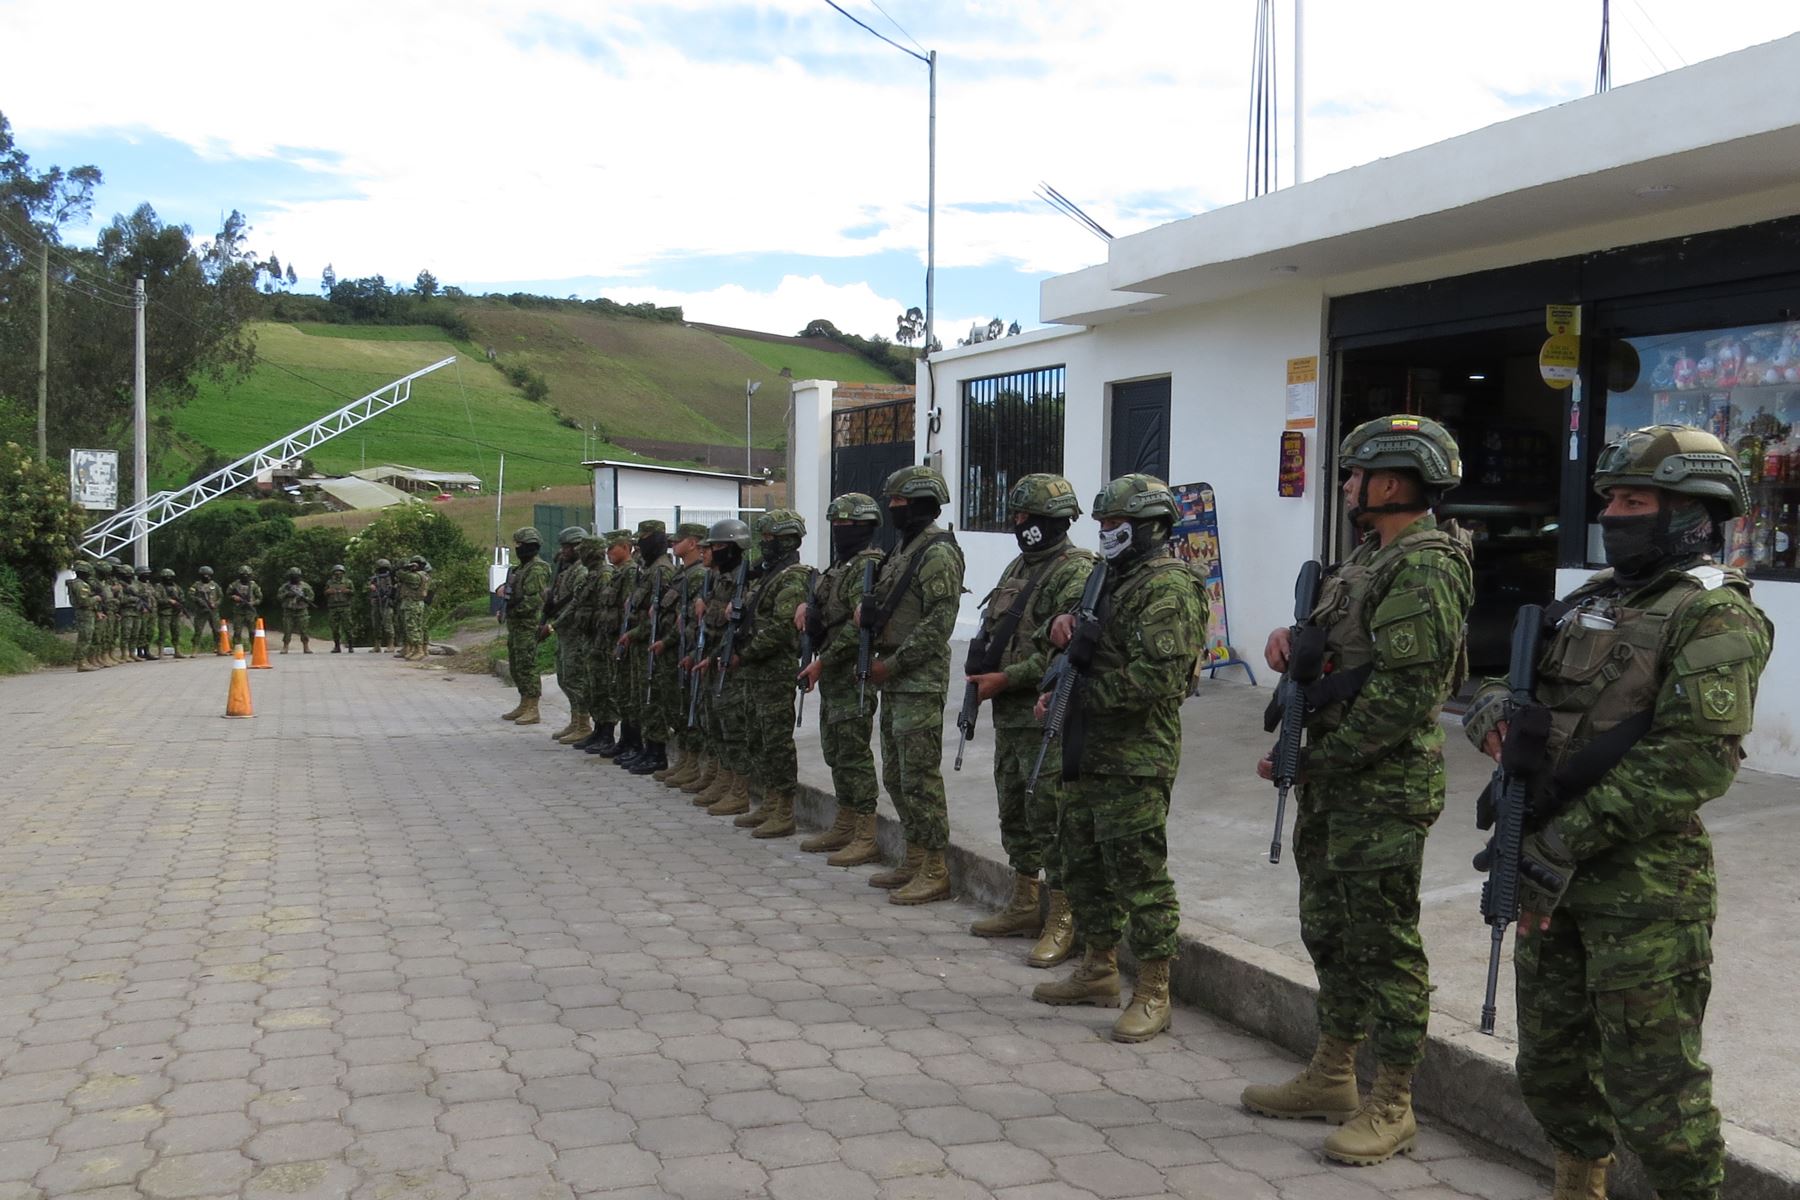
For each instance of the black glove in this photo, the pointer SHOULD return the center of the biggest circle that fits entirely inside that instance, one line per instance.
(1545, 868)
(1082, 644)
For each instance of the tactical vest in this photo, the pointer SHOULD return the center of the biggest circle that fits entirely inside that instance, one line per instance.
(1347, 599)
(756, 602)
(1016, 579)
(899, 575)
(833, 595)
(1595, 681)
(1113, 650)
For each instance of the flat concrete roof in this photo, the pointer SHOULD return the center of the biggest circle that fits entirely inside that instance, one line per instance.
(632, 466)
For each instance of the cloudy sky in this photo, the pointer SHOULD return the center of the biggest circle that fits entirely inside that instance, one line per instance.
(762, 164)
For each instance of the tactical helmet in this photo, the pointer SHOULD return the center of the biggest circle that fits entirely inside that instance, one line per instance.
(293, 573)
(206, 572)
(166, 573)
(1136, 498)
(1044, 495)
(527, 536)
(103, 569)
(418, 560)
(382, 564)
(112, 560)
(571, 536)
(730, 530)
(691, 529)
(1675, 458)
(244, 572)
(337, 569)
(781, 522)
(143, 572)
(853, 506)
(917, 483)
(83, 567)
(1404, 443)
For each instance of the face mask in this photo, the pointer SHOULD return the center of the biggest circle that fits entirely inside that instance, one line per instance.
(528, 551)
(726, 558)
(1631, 543)
(913, 516)
(653, 547)
(1040, 533)
(849, 540)
(1114, 542)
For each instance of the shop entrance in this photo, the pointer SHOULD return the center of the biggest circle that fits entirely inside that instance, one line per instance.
(1484, 387)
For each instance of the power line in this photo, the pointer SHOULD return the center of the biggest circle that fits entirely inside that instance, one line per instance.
(28, 233)
(1673, 48)
(897, 25)
(884, 37)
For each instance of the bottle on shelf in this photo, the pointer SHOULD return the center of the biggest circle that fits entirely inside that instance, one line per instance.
(1786, 537)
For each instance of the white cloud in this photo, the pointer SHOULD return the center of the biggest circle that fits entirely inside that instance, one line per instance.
(488, 140)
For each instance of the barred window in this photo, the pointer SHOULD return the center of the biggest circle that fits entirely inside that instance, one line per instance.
(1012, 427)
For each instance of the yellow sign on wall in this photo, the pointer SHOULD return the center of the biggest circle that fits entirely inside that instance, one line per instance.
(1560, 359)
(1303, 392)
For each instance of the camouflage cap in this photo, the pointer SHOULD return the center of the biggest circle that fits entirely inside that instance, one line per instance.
(690, 529)
(917, 483)
(620, 537)
(166, 573)
(1404, 443)
(781, 522)
(1675, 458)
(1136, 497)
(1044, 495)
(647, 528)
(206, 572)
(853, 506)
(83, 567)
(527, 536)
(571, 536)
(730, 531)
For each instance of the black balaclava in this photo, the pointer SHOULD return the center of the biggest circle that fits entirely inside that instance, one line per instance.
(727, 556)
(528, 551)
(778, 552)
(653, 546)
(1040, 533)
(1640, 547)
(913, 516)
(847, 541)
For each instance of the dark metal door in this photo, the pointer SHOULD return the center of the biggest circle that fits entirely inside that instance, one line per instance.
(1140, 428)
(867, 445)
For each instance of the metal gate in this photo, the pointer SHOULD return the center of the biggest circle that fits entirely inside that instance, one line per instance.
(867, 445)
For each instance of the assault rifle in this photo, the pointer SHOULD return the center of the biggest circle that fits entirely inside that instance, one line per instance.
(807, 650)
(1306, 662)
(978, 663)
(1065, 677)
(1507, 804)
(624, 626)
(656, 591)
(694, 676)
(865, 637)
(734, 618)
(681, 631)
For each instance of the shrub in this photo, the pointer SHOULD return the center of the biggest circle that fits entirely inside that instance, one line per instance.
(39, 528)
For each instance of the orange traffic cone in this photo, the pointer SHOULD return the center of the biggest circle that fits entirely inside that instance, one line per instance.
(259, 661)
(237, 702)
(224, 636)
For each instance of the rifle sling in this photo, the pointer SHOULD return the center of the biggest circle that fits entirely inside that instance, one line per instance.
(885, 611)
(1008, 628)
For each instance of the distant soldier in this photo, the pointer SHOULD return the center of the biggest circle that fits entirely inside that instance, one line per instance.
(83, 600)
(245, 596)
(105, 624)
(381, 605)
(571, 651)
(296, 598)
(670, 698)
(169, 601)
(603, 672)
(526, 585)
(576, 624)
(339, 597)
(626, 680)
(146, 590)
(204, 601)
(412, 587)
(728, 795)
(656, 575)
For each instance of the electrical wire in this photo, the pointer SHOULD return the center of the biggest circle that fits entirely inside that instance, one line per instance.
(1673, 48)
(897, 25)
(884, 37)
(26, 233)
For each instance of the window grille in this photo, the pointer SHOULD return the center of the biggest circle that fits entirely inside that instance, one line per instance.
(1012, 427)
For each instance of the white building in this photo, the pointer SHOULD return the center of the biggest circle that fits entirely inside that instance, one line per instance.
(1665, 211)
(626, 493)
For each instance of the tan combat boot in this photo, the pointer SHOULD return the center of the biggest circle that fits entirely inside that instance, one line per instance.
(693, 766)
(1095, 981)
(843, 829)
(901, 874)
(83, 666)
(1580, 1178)
(780, 819)
(861, 847)
(558, 735)
(715, 791)
(1020, 916)
(1058, 939)
(1325, 1089)
(579, 729)
(735, 798)
(677, 760)
(1148, 1013)
(1382, 1127)
(929, 884)
(529, 715)
(703, 779)
(516, 710)
(759, 807)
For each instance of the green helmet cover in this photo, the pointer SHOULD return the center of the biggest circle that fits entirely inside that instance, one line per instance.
(853, 506)
(1675, 458)
(571, 536)
(1044, 495)
(527, 536)
(1404, 443)
(917, 483)
(781, 523)
(1136, 498)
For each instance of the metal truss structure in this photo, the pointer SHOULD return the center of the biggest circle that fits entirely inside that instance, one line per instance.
(123, 528)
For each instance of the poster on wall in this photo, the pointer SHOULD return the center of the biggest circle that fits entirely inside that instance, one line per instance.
(1303, 392)
(1291, 477)
(94, 479)
(1196, 540)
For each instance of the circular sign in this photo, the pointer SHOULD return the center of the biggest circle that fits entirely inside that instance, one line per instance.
(1560, 359)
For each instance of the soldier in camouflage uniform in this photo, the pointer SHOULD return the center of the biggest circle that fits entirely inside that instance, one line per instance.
(627, 683)
(1393, 617)
(245, 595)
(381, 605)
(671, 696)
(1614, 967)
(83, 600)
(569, 575)
(296, 598)
(169, 603)
(653, 576)
(846, 720)
(1139, 666)
(728, 544)
(603, 659)
(575, 623)
(765, 656)
(412, 589)
(105, 624)
(125, 597)
(694, 705)
(1006, 661)
(144, 588)
(526, 585)
(204, 599)
(340, 596)
(912, 614)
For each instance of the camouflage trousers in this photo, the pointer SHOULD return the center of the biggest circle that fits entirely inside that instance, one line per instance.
(1359, 919)
(768, 712)
(1113, 835)
(412, 623)
(572, 656)
(243, 626)
(1028, 824)
(340, 625)
(84, 635)
(728, 715)
(293, 621)
(521, 660)
(602, 702)
(692, 740)
(628, 684)
(168, 628)
(381, 624)
(844, 738)
(206, 630)
(656, 696)
(912, 765)
(1610, 1011)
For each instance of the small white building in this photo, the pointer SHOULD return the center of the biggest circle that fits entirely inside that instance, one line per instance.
(626, 493)
(1663, 212)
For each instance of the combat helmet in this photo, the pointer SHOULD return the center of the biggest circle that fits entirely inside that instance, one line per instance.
(853, 506)
(382, 564)
(103, 569)
(573, 535)
(527, 536)
(1044, 495)
(917, 483)
(1136, 498)
(730, 531)
(1675, 458)
(83, 567)
(337, 568)
(206, 572)
(781, 523)
(166, 573)
(293, 572)
(1404, 443)
(244, 571)
(143, 572)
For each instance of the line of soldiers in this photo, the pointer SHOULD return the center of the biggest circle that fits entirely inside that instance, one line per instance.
(122, 616)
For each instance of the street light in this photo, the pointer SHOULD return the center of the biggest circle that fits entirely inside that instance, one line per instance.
(750, 386)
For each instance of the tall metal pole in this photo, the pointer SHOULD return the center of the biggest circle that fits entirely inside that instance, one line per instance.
(499, 497)
(43, 351)
(140, 548)
(931, 212)
(1299, 91)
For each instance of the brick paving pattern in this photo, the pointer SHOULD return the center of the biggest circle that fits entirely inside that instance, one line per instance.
(375, 943)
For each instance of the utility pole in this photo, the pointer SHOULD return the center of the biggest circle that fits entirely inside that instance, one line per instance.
(140, 547)
(1299, 91)
(931, 210)
(750, 386)
(43, 350)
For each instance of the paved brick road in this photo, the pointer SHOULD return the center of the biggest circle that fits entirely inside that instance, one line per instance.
(375, 943)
